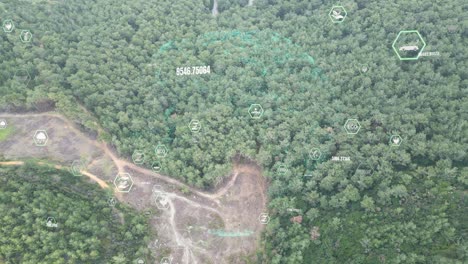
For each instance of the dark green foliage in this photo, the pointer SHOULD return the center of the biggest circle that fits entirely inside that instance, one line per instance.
(89, 230)
(119, 59)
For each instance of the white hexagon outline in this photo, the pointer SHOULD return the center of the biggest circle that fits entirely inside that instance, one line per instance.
(164, 258)
(138, 152)
(392, 143)
(337, 21)
(131, 182)
(345, 126)
(282, 169)
(190, 125)
(267, 217)
(261, 111)
(315, 149)
(164, 196)
(73, 166)
(152, 166)
(23, 32)
(27, 72)
(365, 163)
(398, 36)
(162, 147)
(46, 139)
(6, 124)
(12, 28)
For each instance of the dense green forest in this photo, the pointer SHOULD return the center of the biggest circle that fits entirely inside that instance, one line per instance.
(83, 229)
(118, 59)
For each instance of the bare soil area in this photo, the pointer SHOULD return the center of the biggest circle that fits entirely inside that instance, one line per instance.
(190, 226)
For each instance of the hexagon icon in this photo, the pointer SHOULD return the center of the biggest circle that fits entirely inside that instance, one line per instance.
(8, 26)
(161, 151)
(3, 124)
(408, 45)
(395, 140)
(364, 169)
(26, 36)
(156, 166)
(264, 218)
(41, 138)
(282, 170)
(76, 168)
(123, 182)
(337, 14)
(22, 76)
(166, 260)
(315, 154)
(138, 157)
(195, 125)
(162, 201)
(255, 111)
(140, 261)
(352, 126)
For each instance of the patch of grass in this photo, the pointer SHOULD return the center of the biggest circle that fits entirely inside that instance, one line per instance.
(4, 133)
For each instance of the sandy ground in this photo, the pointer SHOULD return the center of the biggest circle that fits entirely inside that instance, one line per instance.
(187, 224)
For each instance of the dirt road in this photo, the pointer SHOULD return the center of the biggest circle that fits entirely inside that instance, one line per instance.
(184, 226)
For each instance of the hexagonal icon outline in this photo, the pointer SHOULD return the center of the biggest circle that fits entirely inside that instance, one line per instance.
(313, 151)
(22, 35)
(346, 126)
(43, 138)
(160, 206)
(257, 116)
(282, 169)
(395, 140)
(11, 23)
(371, 168)
(127, 188)
(3, 124)
(166, 260)
(264, 218)
(28, 79)
(156, 164)
(408, 31)
(76, 168)
(197, 124)
(163, 154)
(141, 157)
(51, 222)
(363, 68)
(333, 18)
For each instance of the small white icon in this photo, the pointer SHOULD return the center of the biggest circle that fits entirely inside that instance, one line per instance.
(255, 111)
(41, 138)
(3, 124)
(195, 126)
(156, 167)
(352, 126)
(76, 168)
(315, 154)
(140, 261)
(166, 260)
(264, 218)
(161, 200)
(161, 151)
(138, 157)
(8, 26)
(338, 14)
(25, 36)
(123, 182)
(51, 222)
(282, 170)
(395, 140)
(409, 48)
(111, 201)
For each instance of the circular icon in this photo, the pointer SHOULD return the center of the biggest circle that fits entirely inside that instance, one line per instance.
(282, 170)
(111, 201)
(195, 126)
(76, 168)
(264, 218)
(315, 154)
